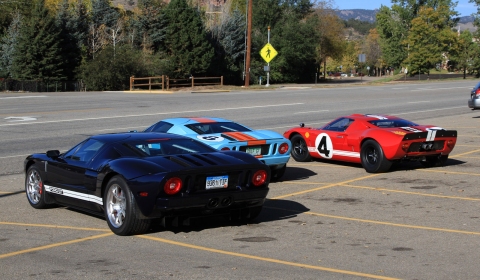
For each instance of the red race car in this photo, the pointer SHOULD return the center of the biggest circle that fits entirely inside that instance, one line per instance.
(375, 141)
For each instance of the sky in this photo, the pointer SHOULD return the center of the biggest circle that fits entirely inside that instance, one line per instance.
(464, 8)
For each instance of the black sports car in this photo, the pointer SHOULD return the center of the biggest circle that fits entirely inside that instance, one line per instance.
(132, 178)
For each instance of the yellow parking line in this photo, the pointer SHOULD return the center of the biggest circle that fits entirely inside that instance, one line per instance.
(52, 226)
(301, 265)
(54, 245)
(464, 135)
(303, 183)
(325, 187)
(414, 193)
(448, 172)
(319, 165)
(462, 145)
(392, 224)
(467, 153)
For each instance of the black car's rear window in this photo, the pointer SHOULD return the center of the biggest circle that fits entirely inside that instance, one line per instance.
(216, 127)
(392, 123)
(159, 147)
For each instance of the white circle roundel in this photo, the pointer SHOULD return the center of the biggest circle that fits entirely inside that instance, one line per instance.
(323, 145)
(210, 138)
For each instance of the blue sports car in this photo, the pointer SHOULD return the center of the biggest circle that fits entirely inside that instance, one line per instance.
(268, 146)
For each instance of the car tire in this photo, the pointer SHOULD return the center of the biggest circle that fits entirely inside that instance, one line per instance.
(372, 157)
(278, 173)
(121, 210)
(35, 189)
(299, 149)
(434, 161)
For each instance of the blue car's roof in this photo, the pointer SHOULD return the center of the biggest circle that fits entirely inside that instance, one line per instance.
(190, 120)
(115, 137)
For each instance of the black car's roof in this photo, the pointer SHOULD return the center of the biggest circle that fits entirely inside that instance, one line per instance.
(135, 136)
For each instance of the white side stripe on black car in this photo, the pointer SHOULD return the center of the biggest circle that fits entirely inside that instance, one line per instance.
(77, 195)
(431, 135)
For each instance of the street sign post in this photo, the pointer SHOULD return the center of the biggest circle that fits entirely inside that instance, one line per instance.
(268, 52)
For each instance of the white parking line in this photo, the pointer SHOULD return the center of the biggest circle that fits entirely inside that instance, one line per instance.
(307, 112)
(19, 97)
(156, 114)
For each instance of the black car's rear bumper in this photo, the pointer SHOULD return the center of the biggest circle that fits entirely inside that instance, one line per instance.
(201, 204)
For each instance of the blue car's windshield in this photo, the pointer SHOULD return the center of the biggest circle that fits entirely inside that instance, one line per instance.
(216, 127)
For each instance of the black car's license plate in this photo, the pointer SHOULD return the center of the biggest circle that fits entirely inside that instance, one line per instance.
(217, 182)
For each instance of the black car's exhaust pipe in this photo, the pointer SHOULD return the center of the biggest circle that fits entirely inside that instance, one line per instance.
(226, 201)
(213, 203)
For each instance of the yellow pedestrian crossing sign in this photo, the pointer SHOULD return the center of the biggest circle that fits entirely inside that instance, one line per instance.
(268, 52)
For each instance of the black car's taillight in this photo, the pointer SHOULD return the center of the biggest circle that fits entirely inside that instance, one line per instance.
(259, 178)
(477, 92)
(173, 185)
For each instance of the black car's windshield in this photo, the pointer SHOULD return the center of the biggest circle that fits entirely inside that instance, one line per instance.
(216, 127)
(159, 147)
(386, 123)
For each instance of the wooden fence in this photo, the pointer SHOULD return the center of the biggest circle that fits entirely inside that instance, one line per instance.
(166, 83)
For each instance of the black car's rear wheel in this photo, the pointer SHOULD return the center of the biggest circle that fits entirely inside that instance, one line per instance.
(372, 157)
(34, 189)
(300, 149)
(434, 161)
(121, 209)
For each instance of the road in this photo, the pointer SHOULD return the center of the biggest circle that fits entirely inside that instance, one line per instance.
(322, 221)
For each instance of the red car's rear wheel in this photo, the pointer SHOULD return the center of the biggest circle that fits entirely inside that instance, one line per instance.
(372, 157)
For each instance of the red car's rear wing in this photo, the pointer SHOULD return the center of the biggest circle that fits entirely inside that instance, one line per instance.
(430, 135)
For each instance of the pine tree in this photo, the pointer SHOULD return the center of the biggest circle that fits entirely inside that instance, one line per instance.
(104, 13)
(8, 44)
(38, 54)
(229, 42)
(186, 40)
(71, 53)
(151, 24)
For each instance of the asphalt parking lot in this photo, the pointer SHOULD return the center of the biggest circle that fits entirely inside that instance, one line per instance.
(324, 220)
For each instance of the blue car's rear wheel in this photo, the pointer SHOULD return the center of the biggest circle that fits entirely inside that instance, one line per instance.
(372, 157)
(299, 149)
(121, 210)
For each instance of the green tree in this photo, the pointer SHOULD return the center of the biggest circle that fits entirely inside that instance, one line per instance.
(295, 41)
(186, 40)
(229, 43)
(151, 25)
(463, 52)
(71, 52)
(38, 54)
(429, 39)
(8, 44)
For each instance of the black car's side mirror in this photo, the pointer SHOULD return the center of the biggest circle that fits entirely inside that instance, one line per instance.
(53, 153)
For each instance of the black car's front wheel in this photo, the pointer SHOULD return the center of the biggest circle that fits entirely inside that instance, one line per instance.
(372, 157)
(35, 189)
(299, 149)
(121, 209)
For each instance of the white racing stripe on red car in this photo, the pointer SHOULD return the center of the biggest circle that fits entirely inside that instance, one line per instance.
(77, 195)
(431, 135)
(346, 154)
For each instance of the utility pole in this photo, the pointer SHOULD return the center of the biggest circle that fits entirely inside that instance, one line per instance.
(249, 43)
